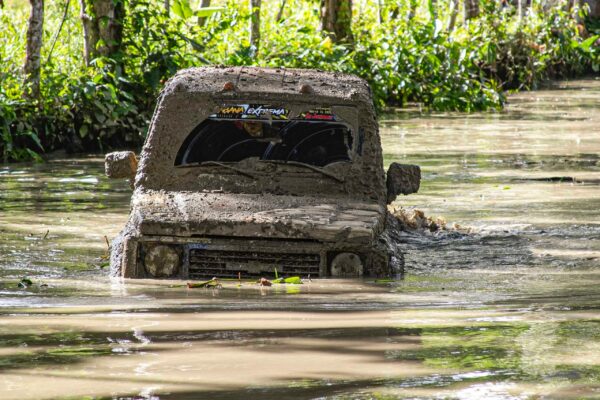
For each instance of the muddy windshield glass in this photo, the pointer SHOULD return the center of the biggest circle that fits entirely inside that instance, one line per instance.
(314, 142)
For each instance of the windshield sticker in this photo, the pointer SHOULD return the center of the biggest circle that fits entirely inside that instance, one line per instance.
(318, 114)
(252, 111)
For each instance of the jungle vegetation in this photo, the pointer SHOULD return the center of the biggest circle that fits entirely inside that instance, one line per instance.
(84, 75)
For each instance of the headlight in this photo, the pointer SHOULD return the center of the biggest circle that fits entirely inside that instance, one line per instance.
(161, 261)
(346, 265)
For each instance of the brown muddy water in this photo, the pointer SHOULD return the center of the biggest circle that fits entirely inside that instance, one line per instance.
(505, 308)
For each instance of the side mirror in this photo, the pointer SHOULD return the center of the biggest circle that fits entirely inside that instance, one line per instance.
(402, 179)
(120, 164)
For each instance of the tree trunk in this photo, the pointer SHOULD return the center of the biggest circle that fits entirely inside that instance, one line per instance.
(454, 5)
(280, 12)
(32, 65)
(394, 11)
(255, 24)
(90, 35)
(60, 26)
(102, 27)
(167, 7)
(336, 18)
(203, 4)
(412, 9)
(520, 9)
(471, 9)
(594, 8)
(432, 6)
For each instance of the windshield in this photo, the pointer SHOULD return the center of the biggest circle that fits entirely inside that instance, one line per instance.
(317, 139)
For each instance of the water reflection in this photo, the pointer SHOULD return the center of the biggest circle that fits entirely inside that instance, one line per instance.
(506, 311)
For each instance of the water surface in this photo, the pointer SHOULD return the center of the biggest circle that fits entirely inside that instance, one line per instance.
(507, 307)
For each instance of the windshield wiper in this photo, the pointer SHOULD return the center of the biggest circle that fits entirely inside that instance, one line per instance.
(220, 164)
(311, 167)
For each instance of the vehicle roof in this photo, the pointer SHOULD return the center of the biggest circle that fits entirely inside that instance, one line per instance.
(192, 95)
(262, 81)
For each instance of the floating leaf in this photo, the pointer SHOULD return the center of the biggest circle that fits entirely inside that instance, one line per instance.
(25, 283)
(213, 283)
(386, 280)
(208, 11)
(292, 280)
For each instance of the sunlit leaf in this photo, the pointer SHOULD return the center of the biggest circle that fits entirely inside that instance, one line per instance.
(587, 43)
(182, 9)
(208, 11)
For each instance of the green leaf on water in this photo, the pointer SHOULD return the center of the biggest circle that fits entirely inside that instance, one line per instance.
(292, 280)
(212, 283)
(386, 280)
(25, 283)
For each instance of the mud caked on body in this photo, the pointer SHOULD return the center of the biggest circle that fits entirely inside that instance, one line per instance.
(245, 171)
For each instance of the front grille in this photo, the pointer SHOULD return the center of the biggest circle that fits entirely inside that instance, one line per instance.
(227, 264)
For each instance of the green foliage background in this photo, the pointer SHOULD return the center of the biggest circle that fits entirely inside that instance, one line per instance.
(403, 49)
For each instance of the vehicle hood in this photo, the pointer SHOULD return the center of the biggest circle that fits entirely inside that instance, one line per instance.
(252, 215)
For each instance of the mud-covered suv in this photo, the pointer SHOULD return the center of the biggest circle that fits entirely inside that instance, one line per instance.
(248, 170)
